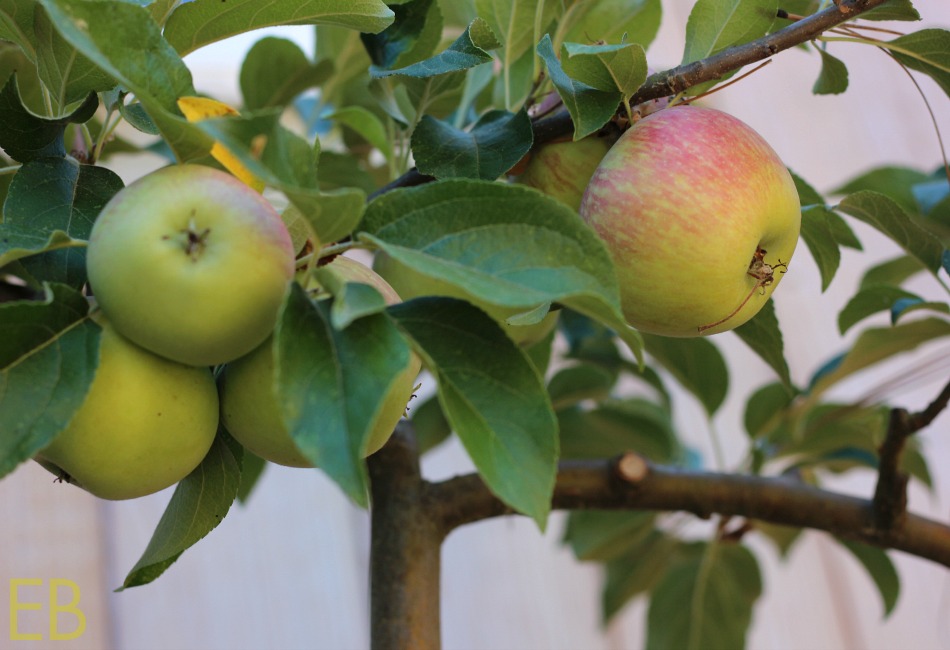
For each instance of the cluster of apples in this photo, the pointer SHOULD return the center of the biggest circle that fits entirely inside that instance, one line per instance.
(189, 268)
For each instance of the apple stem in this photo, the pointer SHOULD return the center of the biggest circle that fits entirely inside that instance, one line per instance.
(703, 328)
(764, 275)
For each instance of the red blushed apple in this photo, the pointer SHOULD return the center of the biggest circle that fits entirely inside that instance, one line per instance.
(700, 217)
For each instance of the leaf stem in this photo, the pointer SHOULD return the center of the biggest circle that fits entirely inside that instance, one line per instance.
(11, 169)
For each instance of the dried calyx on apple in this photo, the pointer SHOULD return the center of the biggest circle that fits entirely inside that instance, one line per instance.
(683, 200)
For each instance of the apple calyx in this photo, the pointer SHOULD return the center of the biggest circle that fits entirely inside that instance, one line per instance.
(193, 241)
(764, 274)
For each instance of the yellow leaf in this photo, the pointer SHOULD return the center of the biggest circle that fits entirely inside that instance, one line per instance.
(196, 109)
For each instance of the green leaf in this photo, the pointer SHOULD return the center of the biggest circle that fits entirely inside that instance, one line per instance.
(196, 24)
(429, 424)
(714, 25)
(469, 50)
(51, 205)
(875, 345)
(639, 571)
(289, 164)
(888, 217)
(881, 570)
(332, 383)
(609, 68)
(601, 535)
(763, 335)
(838, 437)
(366, 124)
(617, 426)
(589, 107)
(904, 306)
(492, 146)
(610, 20)
(276, 70)
(833, 79)
(518, 24)
(892, 10)
(351, 300)
(162, 9)
(200, 502)
(16, 25)
(48, 355)
(764, 408)
(707, 597)
(68, 75)
(821, 242)
(893, 272)
(926, 51)
(14, 61)
(122, 39)
(412, 37)
(580, 382)
(870, 300)
(894, 182)
(817, 226)
(252, 469)
(491, 395)
(26, 136)
(502, 244)
(696, 364)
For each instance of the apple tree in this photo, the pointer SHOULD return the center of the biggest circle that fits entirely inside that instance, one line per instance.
(503, 195)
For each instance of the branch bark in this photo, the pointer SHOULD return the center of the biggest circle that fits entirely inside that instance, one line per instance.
(608, 485)
(405, 550)
(890, 493)
(676, 80)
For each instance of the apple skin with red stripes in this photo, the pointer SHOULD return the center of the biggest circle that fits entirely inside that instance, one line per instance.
(700, 217)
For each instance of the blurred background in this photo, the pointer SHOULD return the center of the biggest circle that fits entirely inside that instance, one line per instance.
(289, 569)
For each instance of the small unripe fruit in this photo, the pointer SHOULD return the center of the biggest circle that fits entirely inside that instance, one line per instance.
(249, 407)
(145, 424)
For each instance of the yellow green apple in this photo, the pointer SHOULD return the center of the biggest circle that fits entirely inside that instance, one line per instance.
(563, 169)
(249, 408)
(410, 283)
(190, 263)
(700, 217)
(145, 424)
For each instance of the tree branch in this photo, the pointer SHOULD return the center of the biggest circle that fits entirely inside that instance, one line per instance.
(680, 78)
(631, 483)
(890, 493)
(676, 80)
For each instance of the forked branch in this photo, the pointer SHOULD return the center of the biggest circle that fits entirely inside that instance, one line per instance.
(890, 493)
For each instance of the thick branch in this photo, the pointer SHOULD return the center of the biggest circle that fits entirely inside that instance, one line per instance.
(404, 551)
(601, 484)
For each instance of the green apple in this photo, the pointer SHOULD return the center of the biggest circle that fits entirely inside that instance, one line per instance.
(563, 169)
(190, 263)
(410, 283)
(145, 424)
(249, 407)
(700, 217)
